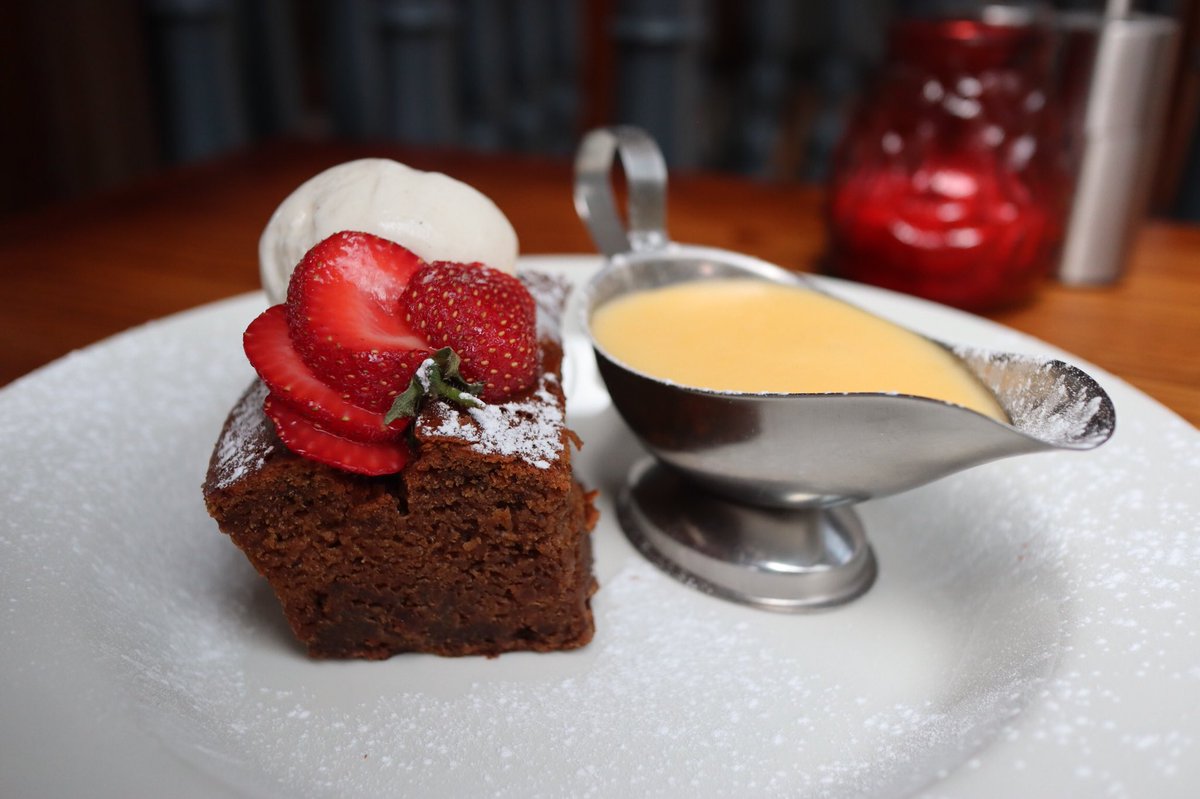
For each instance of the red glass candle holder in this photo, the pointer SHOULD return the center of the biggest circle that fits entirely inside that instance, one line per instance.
(950, 181)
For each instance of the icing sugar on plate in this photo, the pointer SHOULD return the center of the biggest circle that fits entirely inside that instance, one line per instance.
(1033, 630)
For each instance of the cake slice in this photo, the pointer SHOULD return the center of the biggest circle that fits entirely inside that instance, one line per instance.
(480, 545)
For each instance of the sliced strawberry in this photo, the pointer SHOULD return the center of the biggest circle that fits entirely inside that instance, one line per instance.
(272, 355)
(305, 437)
(344, 317)
(488, 317)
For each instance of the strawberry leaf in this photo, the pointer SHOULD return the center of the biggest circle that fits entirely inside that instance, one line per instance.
(437, 376)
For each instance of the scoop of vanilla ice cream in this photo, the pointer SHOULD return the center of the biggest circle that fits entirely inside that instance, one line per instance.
(437, 217)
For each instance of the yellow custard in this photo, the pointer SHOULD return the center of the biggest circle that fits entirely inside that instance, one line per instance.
(755, 336)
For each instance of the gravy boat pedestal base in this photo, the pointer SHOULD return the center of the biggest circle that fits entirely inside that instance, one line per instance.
(785, 559)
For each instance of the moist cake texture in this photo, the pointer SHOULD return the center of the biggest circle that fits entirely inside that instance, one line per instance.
(479, 546)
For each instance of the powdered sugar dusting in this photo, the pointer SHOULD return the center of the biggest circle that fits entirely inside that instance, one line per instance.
(1047, 399)
(530, 429)
(424, 375)
(550, 293)
(242, 451)
(1060, 418)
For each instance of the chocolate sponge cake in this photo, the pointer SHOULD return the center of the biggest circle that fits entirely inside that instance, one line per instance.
(479, 546)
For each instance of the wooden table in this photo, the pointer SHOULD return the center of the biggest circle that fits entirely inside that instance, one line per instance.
(76, 273)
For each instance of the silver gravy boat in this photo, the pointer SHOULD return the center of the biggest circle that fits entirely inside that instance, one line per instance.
(749, 496)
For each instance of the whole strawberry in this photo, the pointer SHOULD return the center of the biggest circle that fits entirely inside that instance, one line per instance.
(486, 316)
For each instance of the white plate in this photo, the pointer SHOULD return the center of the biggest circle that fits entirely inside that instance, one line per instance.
(1032, 632)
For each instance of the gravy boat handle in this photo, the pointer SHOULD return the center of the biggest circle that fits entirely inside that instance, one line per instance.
(646, 177)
